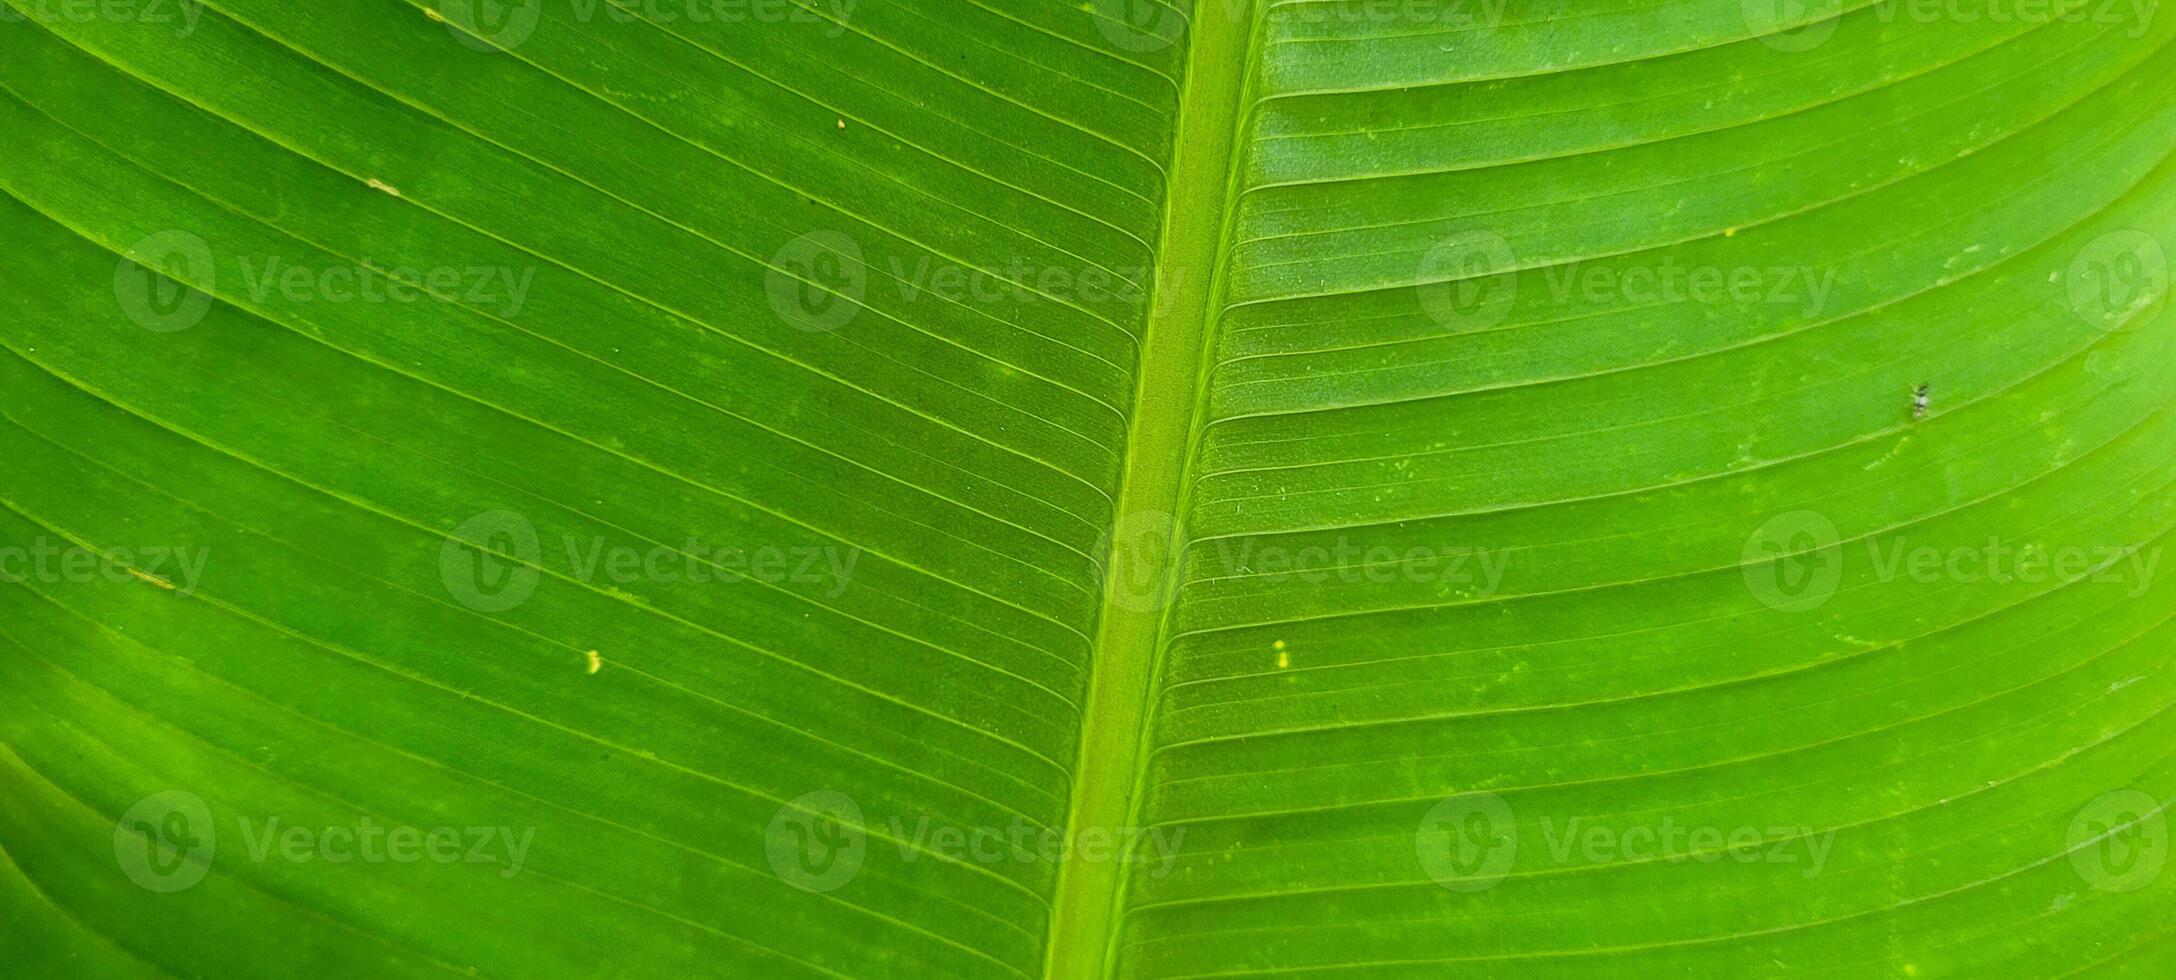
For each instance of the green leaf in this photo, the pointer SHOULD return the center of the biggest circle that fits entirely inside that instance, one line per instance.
(1118, 488)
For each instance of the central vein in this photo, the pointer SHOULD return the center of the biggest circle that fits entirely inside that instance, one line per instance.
(1141, 571)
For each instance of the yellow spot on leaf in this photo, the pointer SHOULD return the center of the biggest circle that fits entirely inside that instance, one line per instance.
(596, 662)
(434, 15)
(153, 579)
(1730, 233)
(379, 185)
(1283, 660)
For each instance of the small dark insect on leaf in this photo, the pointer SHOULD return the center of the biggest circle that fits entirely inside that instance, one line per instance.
(1920, 396)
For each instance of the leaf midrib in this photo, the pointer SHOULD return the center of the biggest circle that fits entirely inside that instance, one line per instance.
(1170, 403)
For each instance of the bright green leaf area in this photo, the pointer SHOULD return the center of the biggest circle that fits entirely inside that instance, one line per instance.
(1101, 488)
